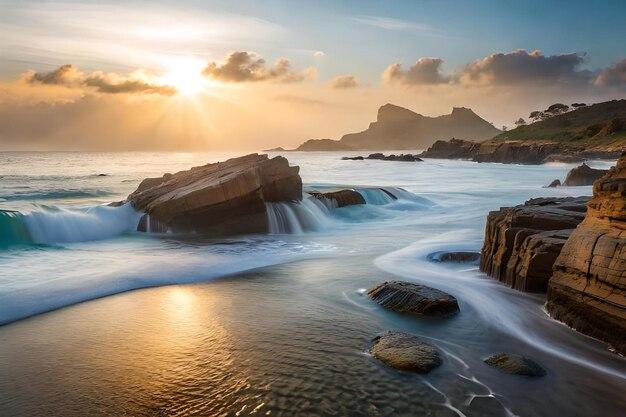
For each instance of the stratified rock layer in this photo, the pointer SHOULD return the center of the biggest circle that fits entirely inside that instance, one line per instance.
(588, 288)
(406, 297)
(223, 198)
(339, 198)
(522, 242)
(405, 351)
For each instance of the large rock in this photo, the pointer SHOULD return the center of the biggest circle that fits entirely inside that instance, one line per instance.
(515, 364)
(405, 351)
(382, 157)
(223, 198)
(588, 288)
(406, 297)
(522, 242)
(583, 175)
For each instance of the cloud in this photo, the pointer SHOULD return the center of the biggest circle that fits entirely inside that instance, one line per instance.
(109, 83)
(319, 53)
(613, 75)
(241, 66)
(520, 67)
(424, 71)
(343, 82)
(390, 23)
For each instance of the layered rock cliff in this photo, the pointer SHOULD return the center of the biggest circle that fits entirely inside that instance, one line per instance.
(522, 242)
(588, 288)
(222, 198)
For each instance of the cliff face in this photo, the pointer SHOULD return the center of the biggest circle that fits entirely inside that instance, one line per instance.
(522, 243)
(222, 198)
(399, 128)
(588, 288)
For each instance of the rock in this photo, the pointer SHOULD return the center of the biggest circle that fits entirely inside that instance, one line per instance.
(339, 198)
(588, 288)
(405, 352)
(571, 158)
(554, 184)
(522, 242)
(583, 175)
(406, 297)
(515, 364)
(321, 145)
(452, 149)
(381, 157)
(221, 198)
(460, 257)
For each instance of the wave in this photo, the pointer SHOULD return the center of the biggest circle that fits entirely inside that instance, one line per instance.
(51, 225)
(56, 194)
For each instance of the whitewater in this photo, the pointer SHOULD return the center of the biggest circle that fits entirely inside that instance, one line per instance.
(62, 244)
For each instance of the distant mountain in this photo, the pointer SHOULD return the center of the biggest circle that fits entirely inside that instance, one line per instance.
(400, 128)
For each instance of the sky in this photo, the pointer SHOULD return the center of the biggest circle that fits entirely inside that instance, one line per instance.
(249, 75)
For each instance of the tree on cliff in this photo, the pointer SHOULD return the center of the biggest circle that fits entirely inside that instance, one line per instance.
(520, 122)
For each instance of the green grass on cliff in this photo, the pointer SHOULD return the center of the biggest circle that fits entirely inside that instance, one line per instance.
(601, 125)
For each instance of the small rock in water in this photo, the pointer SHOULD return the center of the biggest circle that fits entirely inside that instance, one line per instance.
(554, 184)
(405, 297)
(405, 351)
(515, 364)
(460, 257)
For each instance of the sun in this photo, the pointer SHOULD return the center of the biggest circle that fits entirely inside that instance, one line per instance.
(185, 75)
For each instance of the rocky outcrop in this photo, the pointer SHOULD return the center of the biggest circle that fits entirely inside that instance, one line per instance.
(222, 198)
(406, 297)
(522, 242)
(405, 352)
(515, 364)
(583, 175)
(339, 198)
(588, 288)
(512, 152)
(381, 157)
(321, 145)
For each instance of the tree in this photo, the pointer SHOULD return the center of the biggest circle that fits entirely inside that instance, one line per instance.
(578, 105)
(557, 108)
(504, 128)
(520, 122)
(536, 115)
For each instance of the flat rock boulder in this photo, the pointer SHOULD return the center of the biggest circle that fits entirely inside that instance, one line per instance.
(554, 184)
(583, 175)
(421, 300)
(221, 198)
(515, 364)
(382, 157)
(405, 351)
(587, 290)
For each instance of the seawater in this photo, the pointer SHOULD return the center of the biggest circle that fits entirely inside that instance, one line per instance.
(274, 324)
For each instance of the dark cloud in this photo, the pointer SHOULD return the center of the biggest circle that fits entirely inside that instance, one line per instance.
(343, 82)
(520, 67)
(424, 71)
(613, 75)
(68, 75)
(241, 66)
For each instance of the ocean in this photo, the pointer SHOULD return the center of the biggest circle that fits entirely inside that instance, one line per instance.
(98, 319)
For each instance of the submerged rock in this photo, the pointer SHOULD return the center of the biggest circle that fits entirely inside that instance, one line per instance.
(406, 297)
(583, 175)
(405, 351)
(588, 288)
(221, 198)
(340, 198)
(459, 257)
(515, 364)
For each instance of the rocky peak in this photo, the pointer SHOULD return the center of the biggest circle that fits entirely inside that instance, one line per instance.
(392, 113)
